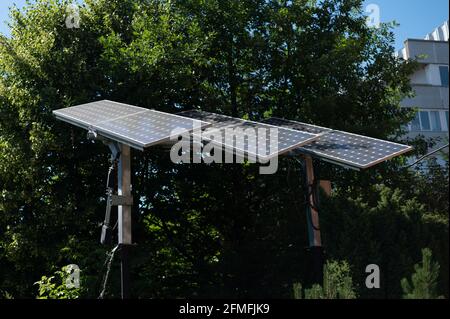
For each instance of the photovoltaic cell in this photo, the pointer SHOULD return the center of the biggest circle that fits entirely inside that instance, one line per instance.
(349, 149)
(128, 124)
(147, 128)
(314, 129)
(216, 120)
(86, 115)
(140, 128)
(263, 141)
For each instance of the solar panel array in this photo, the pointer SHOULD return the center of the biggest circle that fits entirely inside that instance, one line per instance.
(128, 124)
(141, 128)
(349, 149)
(248, 138)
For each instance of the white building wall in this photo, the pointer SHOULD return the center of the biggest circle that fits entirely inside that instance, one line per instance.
(419, 77)
(439, 34)
(432, 95)
(428, 75)
(433, 75)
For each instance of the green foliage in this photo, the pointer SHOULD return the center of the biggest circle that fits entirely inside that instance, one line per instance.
(423, 284)
(298, 290)
(386, 229)
(203, 230)
(315, 292)
(6, 295)
(337, 284)
(55, 287)
(337, 281)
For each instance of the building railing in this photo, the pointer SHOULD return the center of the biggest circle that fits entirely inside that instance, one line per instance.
(428, 97)
(428, 51)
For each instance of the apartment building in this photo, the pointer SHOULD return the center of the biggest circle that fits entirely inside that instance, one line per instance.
(430, 83)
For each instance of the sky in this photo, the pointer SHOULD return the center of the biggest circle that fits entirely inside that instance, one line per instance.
(416, 17)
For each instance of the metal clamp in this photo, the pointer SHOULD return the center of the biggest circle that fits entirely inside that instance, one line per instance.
(119, 200)
(111, 199)
(114, 147)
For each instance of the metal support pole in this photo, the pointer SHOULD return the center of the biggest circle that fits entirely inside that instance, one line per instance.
(315, 240)
(124, 216)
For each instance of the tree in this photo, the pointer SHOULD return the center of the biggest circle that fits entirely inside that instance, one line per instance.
(55, 287)
(337, 284)
(423, 284)
(393, 228)
(213, 230)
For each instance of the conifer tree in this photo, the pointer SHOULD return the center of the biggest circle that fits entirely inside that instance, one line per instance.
(337, 284)
(423, 283)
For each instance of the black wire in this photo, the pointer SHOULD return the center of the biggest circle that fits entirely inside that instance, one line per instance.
(426, 156)
(109, 259)
(311, 193)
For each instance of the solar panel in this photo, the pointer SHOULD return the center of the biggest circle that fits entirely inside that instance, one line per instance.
(250, 138)
(349, 149)
(141, 128)
(216, 120)
(86, 115)
(135, 126)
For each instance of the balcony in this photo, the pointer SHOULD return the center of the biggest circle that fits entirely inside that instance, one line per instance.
(428, 97)
(435, 52)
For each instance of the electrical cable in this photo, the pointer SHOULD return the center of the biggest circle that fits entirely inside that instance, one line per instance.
(108, 262)
(426, 156)
(111, 183)
(312, 196)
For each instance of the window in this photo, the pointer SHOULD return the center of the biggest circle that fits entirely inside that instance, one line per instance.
(425, 121)
(446, 117)
(443, 70)
(435, 121)
(415, 124)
